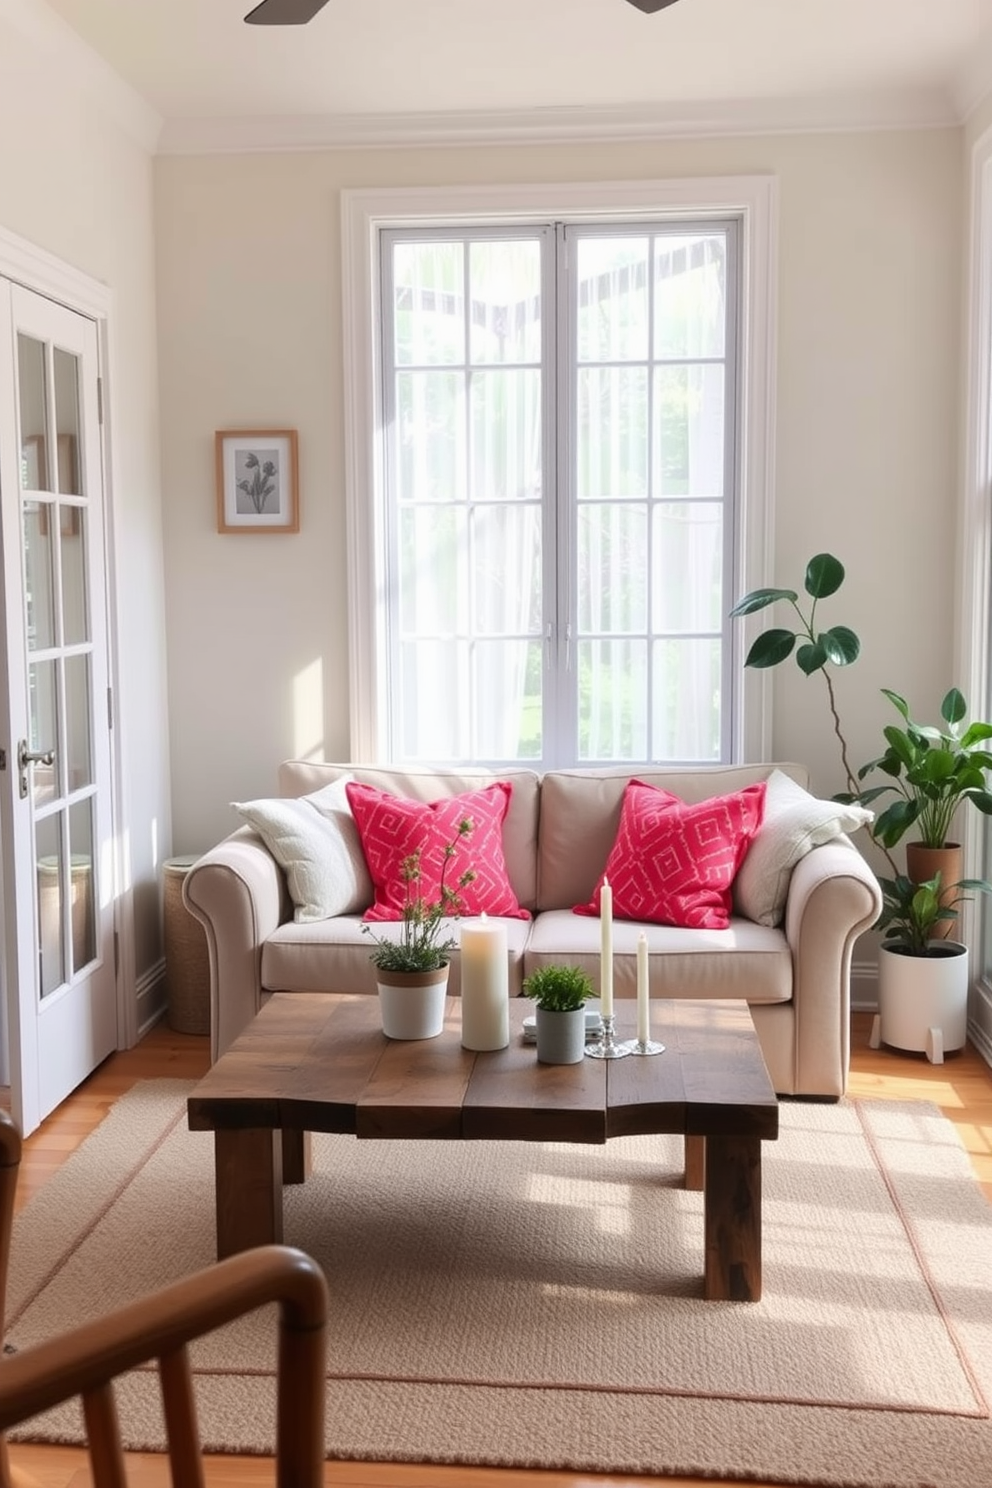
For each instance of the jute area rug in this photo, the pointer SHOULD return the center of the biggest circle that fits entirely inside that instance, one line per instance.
(537, 1305)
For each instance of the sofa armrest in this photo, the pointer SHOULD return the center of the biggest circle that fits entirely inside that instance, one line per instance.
(238, 893)
(833, 898)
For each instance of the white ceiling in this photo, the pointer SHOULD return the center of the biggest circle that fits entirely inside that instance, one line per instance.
(370, 69)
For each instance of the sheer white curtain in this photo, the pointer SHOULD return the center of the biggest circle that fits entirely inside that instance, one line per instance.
(469, 565)
(641, 492)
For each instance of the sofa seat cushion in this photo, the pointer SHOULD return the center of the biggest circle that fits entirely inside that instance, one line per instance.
(333, 955)
(745, 960)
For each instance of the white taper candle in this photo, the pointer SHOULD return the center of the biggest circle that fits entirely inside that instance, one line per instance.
(643, 992)
(606, 949)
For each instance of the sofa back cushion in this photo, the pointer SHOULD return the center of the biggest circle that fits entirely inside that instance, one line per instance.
(421, 783)
(397, 832)
(580, 817)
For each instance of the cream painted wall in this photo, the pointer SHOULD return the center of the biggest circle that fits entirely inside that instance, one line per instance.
(79, 186)
(249, 273)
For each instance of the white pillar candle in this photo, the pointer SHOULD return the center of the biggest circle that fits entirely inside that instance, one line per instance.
(643, 994)
(606, 949)
(485, 985)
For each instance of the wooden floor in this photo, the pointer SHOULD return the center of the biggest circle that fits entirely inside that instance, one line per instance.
(961, 1087)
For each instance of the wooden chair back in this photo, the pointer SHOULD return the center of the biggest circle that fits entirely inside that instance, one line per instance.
(85, 1362)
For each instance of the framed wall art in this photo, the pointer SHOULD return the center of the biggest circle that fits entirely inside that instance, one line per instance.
(257, 480)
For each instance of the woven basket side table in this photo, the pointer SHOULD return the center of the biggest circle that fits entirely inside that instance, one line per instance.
(187, 964)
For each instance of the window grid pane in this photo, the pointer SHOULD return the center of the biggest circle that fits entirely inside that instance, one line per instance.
(657, 429)
(629, 643)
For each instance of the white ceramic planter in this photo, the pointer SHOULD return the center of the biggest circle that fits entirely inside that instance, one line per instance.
(411, 1003)
(561, 1037)
(923, 1000)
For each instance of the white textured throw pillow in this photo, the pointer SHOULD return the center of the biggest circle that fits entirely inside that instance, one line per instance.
(315, 840)
(794, 822)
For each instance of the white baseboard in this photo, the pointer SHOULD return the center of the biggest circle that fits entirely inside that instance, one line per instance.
(980, 1021)
(864, 986)
(149, 995)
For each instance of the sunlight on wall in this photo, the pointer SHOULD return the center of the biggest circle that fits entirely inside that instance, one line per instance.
(308, 712)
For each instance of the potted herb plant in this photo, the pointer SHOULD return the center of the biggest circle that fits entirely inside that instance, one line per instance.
(922, 976)
(412, 969)
(560, 994)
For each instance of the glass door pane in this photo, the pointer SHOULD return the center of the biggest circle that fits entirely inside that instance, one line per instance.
(59, 660)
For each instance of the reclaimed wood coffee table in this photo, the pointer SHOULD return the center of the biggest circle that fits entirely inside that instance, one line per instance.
(320, 1062)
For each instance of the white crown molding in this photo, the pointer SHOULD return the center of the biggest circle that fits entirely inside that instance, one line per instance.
(79, 69)
(922, 110)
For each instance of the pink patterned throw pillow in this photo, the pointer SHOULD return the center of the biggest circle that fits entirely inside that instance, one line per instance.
(673, 863)
(392, 827)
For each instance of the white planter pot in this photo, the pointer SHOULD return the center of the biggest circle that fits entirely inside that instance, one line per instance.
(923, 1000)
(411, 1003)
(561, 1037)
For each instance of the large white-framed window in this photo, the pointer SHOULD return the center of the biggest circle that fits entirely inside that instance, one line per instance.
(559, 462)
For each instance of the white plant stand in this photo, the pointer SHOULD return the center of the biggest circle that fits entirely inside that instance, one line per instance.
(922, 1001)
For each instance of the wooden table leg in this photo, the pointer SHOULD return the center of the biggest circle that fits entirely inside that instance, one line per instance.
(297, 1156)
(695, 1163)
(248, 1180)
(732, 1219)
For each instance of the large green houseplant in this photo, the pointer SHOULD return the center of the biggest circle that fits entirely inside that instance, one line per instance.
(932, 769)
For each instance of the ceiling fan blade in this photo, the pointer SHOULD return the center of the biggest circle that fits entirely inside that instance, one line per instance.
(284, 12)
(650, 6)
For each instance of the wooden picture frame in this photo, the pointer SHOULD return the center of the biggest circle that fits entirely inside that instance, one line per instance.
(257, 480)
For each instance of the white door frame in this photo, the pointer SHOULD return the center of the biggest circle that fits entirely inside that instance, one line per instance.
(45, 274)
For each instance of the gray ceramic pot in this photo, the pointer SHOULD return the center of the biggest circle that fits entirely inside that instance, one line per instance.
(561, 1037)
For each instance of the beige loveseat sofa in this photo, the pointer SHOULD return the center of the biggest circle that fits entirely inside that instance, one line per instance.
(557, 835)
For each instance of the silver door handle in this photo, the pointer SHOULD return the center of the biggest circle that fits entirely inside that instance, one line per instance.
(26, 756)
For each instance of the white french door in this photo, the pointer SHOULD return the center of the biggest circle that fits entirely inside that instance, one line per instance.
(55, 765)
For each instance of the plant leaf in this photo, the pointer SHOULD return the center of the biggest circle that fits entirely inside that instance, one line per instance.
(760, 599)
(824, 575)
(812, 657)
(900, 745)
(897, 702)
(841, 644)
(892, 824)
(954, 707)
(771, 648)
(974, 732)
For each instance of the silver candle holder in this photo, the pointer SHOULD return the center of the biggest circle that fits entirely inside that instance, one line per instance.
(607, 1046)
(642, 1046)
